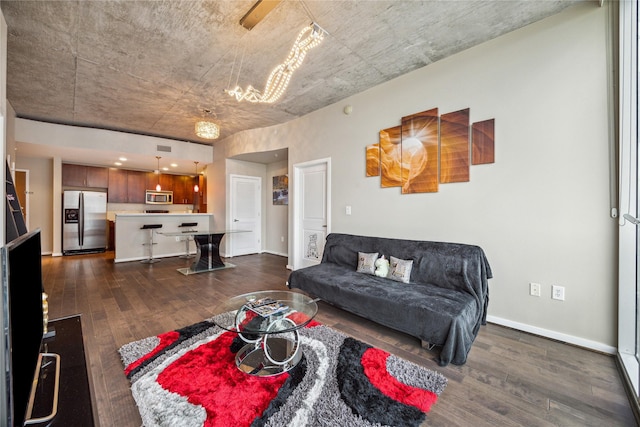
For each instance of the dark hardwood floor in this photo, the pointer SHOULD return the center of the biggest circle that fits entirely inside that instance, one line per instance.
(511, 378)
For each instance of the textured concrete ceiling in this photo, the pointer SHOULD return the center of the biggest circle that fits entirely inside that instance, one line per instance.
(151, 67)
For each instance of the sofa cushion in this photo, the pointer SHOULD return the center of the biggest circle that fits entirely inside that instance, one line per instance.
(400, 269)
(366, 262)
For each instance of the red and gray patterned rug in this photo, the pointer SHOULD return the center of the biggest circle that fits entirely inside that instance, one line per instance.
(188, 377)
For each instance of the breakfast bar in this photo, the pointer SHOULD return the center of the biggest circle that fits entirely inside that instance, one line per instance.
(132, 241)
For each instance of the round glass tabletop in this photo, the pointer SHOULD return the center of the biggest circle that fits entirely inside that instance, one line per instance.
(264, 312)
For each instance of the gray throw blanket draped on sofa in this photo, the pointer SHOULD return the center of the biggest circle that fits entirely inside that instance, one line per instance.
(444, 304)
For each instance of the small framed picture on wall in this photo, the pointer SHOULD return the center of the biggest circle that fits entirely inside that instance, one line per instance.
(281, 190)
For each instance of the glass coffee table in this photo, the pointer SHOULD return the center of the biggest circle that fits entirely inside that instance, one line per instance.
(268, 323)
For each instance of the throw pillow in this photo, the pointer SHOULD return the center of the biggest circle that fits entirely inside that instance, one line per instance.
(400, 269)
(366, 262)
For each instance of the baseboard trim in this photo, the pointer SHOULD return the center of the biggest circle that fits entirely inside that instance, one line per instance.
(569, 339)
(275, 253)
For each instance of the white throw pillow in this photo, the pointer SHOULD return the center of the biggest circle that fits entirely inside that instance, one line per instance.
(400, 269)
(366, 262)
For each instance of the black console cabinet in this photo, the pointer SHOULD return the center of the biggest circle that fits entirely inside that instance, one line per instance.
(75, 401)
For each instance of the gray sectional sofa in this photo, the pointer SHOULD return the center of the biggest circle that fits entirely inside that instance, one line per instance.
(444, 303)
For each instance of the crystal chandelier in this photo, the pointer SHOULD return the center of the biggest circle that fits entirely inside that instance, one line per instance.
(278, 80)
(207, 130)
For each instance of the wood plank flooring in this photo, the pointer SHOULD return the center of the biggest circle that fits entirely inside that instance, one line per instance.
(510, 379)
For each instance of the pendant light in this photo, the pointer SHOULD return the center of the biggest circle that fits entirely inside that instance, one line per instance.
(158, 187)
(207, 129)
(196, 188)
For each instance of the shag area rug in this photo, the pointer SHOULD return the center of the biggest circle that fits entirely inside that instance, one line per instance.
(188, 377)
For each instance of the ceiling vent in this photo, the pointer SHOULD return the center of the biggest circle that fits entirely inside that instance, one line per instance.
(165, 148)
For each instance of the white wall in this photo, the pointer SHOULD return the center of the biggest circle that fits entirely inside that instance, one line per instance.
(77, 138)
(277, 216)
(40, 197)
(10, 122)
(541, 212)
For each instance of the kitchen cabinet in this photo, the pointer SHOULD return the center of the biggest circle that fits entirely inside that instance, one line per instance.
(84, 176)
(126, 186)
(166, 181)
(136, 186)
(129, 186)
(117, 189)
(183, 189)
(202, 194)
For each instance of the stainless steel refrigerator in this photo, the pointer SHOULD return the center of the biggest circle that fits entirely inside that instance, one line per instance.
(84, 221)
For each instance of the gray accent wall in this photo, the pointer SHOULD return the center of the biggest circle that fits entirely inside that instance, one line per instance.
(540, 212)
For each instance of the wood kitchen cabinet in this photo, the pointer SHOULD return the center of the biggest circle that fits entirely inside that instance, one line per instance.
(84, 176)
(202, 194)
(183, 189)
(136, 186)
(166, 181)
(117, 189)
(127, 186)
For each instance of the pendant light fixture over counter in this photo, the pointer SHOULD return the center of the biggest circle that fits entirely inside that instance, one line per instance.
(158, 187)
(196, 188)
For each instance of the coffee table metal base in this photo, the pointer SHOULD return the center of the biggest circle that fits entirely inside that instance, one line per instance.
(252, 359)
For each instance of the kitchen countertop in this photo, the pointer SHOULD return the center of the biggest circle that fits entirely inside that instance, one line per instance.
(163, 214)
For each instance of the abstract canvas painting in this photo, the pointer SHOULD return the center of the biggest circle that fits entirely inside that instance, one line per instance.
(373, 159)
(454, 147)
(391, 157)
(482, 137)
(419, 164)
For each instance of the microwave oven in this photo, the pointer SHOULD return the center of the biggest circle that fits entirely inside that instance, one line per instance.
(154, 197)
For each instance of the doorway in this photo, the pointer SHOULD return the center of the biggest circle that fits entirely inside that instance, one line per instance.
(21, 184)
(245, 215)
(311, 211)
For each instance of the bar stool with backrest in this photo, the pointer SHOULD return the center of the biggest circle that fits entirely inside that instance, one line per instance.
(152, 232)
(188, 226)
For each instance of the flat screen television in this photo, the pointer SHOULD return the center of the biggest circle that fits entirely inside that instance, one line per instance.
(22, 324)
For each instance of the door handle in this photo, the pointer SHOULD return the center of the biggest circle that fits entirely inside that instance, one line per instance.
(236, 220)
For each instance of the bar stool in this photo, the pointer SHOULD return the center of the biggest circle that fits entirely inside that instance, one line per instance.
(152, 231)
(190, 226)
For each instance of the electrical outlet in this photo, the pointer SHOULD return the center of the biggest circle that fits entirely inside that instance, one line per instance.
(534, 289)
(557, 292)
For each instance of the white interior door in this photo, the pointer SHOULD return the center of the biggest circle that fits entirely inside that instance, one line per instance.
(245, 215)
(311, 211)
